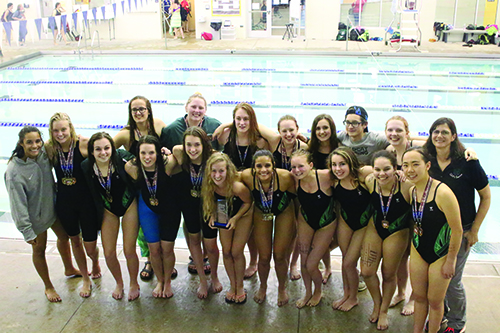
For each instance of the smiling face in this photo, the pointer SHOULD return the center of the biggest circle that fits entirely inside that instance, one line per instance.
(414, 166)
(300, 166)
(139, 110)
(241, 121)
(218, 173)
(147, 155)
(323, 130)
(340, 167)
(383, 170)
(264, 168)
(354, 125)
(32, 145)
(396, 133)
(61, 131)
(442, 137)
(102, 150)
(193, 148)
(288, 130)
(196, 110)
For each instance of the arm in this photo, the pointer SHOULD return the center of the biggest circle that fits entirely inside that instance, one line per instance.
(220, 131)
(364, 172)
(246, 178)
(84, 146)
(131, 169)
(470, 154)
(243, 193)
(271, 136)
(287, 180)
(177, 152)
(122, 139)
(448, 203)
(159, 125)
(19, 207)
(369, 182)
(170, 162)
(484, 206)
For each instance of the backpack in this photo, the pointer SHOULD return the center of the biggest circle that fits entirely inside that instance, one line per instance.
(364, 37)
(355, 32)
(206, 36)
(342, 34)
(342, 26)
(486, 39)
(396, 35)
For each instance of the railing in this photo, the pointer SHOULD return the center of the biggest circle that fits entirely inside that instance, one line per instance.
(165, 26)
(98, 42)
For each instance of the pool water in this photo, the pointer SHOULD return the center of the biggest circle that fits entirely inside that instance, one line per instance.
(95, 94)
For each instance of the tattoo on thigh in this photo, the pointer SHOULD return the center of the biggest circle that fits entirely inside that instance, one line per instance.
(368, 256)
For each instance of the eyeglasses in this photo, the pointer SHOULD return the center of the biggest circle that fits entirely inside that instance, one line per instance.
(354, 124)
(443, 132)
(140, 110)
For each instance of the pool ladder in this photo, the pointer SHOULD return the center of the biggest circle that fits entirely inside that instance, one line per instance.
(91, 44)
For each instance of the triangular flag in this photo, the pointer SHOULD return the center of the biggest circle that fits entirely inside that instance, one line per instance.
(7, 26)
(123, 7)
(75, 20)
(23, 31)
(63, 23)
(52, 23)
(141, 3)
(103, 10)
(129, 7)
(114, 9)
(94, 13)
(85, 13)
(38, 24)
(135, 1)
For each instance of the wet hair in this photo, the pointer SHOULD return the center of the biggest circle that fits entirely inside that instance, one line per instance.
(19, 150)
(261, 153)
(253, 131)
(208, 186)
(385, 154)
(302, 152)
(196, 95)
(314, 143)
(205, 143)
(287, 117)
(52, 143)
(92, 140)
(350, 158)
(401, 119)
(148, 139)
(426, 157)
(457, 149)
(132, 125)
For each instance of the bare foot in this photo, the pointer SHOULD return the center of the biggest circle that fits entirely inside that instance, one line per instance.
(96, 271)
(336, 304)
(303, 301)
(383, 323)
(86, 289)
(348, 304)
(134, 292)
(294, 273)
(282, 298)
(167, 291)
(73, 273)
(158, 291)
(374, 316)
(117, 293)
(396, 300)
(260, 296)
(326, 275)
(52, 295)
(408, 309)
(216, 286)
(203, 290)
(250, 271)
(315, 299)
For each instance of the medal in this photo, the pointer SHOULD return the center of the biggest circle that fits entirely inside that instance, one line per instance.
(267, 217)
(67, 165)
(385, 208)
(106, 184)
(285, 159)
(153, 201)
(152, 186)
(418, 211)
(196, 179)
(195, 194)
(69, 181)
(266, 199)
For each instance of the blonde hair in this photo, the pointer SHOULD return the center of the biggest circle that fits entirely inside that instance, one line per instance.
(401, 119)
(196, 95)
(208, 186)
(52, 143)
(303, 153)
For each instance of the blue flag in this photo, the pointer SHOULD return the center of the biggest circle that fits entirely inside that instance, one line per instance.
(103, 10)
(52, 23)
(7, 26)
(63, 23)
(114, 9)
(38, 24)
(84, 13)
(94, 13)
(75, 20)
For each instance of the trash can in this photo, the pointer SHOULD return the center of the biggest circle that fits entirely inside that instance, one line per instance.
(216, 26)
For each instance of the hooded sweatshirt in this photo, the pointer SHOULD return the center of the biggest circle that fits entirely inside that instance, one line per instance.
(31, 191)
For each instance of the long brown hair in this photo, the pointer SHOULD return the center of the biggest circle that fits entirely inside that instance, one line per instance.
(253, 131)
(333, 142)
(457, 149)
(350, 158)
(132, 125)
(205, 143)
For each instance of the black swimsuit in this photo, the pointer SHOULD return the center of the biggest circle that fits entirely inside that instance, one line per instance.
(318, 209)
(231, 149)
(355, 206)
(281, 199)
(122, 196)
(278, 157)
(398, 216)
(320, 160)
(435, 239)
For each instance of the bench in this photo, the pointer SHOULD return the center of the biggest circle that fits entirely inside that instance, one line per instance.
(467, 33)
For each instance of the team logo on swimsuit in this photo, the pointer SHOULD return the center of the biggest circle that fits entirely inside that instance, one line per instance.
(431, 209)
(397, 200)
(456, 173)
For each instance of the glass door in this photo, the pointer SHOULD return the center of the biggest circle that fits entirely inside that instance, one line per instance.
(260, 18)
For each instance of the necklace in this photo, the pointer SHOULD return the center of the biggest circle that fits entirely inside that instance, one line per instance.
(152, 186)
(385, 209)
(285, 159)
(244, 157)
(418, 211)
(67, 165)
(196, 179)
(106, 184)
(266, 198)
(187, 123)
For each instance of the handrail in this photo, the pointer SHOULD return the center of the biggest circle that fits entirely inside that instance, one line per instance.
(98, 42)
(166, 26)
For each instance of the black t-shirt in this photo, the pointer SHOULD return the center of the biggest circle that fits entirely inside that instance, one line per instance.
(462, 177)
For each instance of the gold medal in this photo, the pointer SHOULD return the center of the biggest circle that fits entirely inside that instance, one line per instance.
(153, 201)
(69, 181)
(195, 194)
(417, 230)
(385, 224)
(109, 198)
(267, 217)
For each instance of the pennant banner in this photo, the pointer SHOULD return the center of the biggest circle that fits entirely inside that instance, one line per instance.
(52, 23)
(7, 26)
(94, 13)
(38, 24)
(123, 6)
(114, 10)
(75, 20)
(63, 23)
(23, 31)
(84, 13)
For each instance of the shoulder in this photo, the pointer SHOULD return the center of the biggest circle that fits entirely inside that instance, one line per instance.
(240, 188)
(369, 181)
(246, 176)
(443, 192)
(342, 136)
(159, 125)
(175, 124)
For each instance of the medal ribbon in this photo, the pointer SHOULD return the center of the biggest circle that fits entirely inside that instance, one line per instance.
(106, 184)
(153, 185)
(266, 197)
(66, 164)
(242, 159)
(285, 159)
(385, 209)
(138, 133)
(418, 212)
(196, 178)
(200, 124)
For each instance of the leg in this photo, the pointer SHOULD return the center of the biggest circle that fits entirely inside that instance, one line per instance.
(145, 253)
(130, 228)
(195, 249)
(212, 251)
(64, 249)
(93, 253)
(168, 265)
(344, 235)
(226, 239)
(81, 261)
(41, 267)
(419, 272)
(436, 293)
(156, 256)
(294, 270)
(304, 240)
(109, 234)
(393, 248)
(402, 282)
(240, 237)
(254, 255)
(371, 253)
(55, 32)
(263, 231)
(284, 231)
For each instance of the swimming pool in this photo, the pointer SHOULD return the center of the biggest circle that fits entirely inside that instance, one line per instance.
(95, 93)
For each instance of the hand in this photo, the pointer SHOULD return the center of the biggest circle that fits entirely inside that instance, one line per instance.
(448, 269)
(211, 223)
(470, 154)
(471, 237)
(401, 175)
(165, 151)
(231, 224)
(302, 138)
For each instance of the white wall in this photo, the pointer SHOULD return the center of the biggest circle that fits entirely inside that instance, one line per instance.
(322, 19)
(203, 12)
